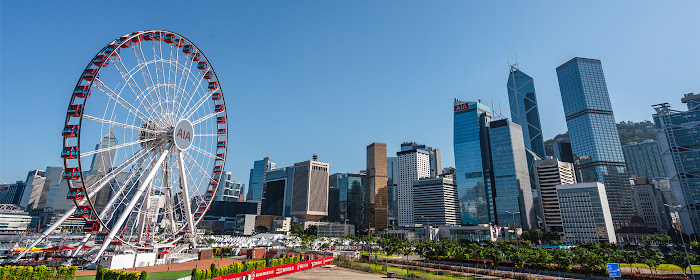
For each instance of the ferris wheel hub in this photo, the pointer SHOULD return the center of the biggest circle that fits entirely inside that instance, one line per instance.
(183, 134)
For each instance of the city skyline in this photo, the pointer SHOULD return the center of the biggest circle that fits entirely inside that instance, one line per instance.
(444, 66)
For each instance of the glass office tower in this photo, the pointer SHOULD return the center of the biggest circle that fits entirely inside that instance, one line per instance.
(594, 138)
(644, 160)
(257, 178)
(523, 109)
(678, 141)
(473, 161)
(511, 185)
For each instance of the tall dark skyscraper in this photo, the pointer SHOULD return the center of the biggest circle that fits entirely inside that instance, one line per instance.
(595, 141)
(523, 109)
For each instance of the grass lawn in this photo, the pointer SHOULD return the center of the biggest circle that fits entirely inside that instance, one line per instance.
(668, 267)
(153, 275)
(378, 255)
(379, 268)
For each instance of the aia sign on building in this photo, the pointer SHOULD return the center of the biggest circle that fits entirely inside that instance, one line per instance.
(461, 107)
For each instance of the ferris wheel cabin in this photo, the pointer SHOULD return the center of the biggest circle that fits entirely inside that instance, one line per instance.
(188, 49)
(91, 74)
(100, 59)
(91, 226)
(81, 91)
(70, 152)
(221, 120)
(75, 110)
(70, 130)
(71, 173)
(112, 50)
(202, 65)
(75, 194)
(221, 144)
(213, 85)
(209, 75)
(83, 212)
(218, 108)
(216, 96)
(170, 38)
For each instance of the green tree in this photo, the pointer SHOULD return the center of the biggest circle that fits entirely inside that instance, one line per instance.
(143, 276)
(652, 258)
(679, 258)
(99, 274)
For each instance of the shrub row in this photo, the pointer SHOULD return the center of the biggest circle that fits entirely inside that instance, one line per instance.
(106, 274)
(36, 273)
(214, 271)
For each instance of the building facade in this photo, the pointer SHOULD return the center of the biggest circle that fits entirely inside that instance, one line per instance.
(277, 192)
(585, 213)
(511, 176)
(310, 190)
(562, 151)
(377, 195)
(524, 110)
(435, 202)
(434, 153)
(677, 138)
(413, 166)
(650, 205)
(392, 189)
(335, 230)
(257, 178)
(594, 137)
(549, 173)
(228, 189)
(644, 160)
(473, 162)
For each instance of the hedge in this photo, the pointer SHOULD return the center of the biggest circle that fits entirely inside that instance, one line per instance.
(214, 271)
(38, 272)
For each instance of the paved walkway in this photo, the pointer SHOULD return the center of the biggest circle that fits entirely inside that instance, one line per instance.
(335, 273)
(174, 267)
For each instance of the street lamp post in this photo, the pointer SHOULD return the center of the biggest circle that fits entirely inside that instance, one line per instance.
(680, 226)
(515, 233)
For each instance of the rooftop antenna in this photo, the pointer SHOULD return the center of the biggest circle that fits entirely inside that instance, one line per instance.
(315, 157)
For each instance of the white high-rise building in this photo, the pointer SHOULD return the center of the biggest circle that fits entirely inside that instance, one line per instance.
(585, 213)
(413, 165)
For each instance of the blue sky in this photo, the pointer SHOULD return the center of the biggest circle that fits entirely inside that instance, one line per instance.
(330, 77)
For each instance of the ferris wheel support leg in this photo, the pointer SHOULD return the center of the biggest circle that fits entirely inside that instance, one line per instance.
(186, 196)
(47, 232)
(82, 244)
(117, 226)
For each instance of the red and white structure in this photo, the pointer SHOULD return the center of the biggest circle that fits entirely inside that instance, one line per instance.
(157, 96)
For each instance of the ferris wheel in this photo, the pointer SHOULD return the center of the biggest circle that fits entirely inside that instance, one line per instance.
(144, 143)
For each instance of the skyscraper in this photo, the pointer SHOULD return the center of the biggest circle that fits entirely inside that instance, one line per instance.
(310, 190)
(392, 187)
(678, 142)
(511, 185)
(257, 177)
(376, 201)
(473, 162)
(277, 192)
(644, 160)
(594, 137)
(524, 110)
(435, 202)
(102, 162)
(562, 151)
(550, 173)
(596, 225)
(435, 157)
(413, 166)
(352, 195)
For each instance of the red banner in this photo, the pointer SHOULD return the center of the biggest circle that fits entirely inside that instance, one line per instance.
(269, 272)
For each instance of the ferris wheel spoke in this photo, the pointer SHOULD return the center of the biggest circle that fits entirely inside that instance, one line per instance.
(185, 87)
(116, 147)
(139, 158)
(145, 73)
(91, 118)
(132, 83)
(205, 118)
(116, 97)
(197, 105)
(195, 89)
(198, 149)
(174, 77)
(97, 186)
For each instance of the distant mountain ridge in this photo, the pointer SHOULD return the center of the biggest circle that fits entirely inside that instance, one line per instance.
(629, 132)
